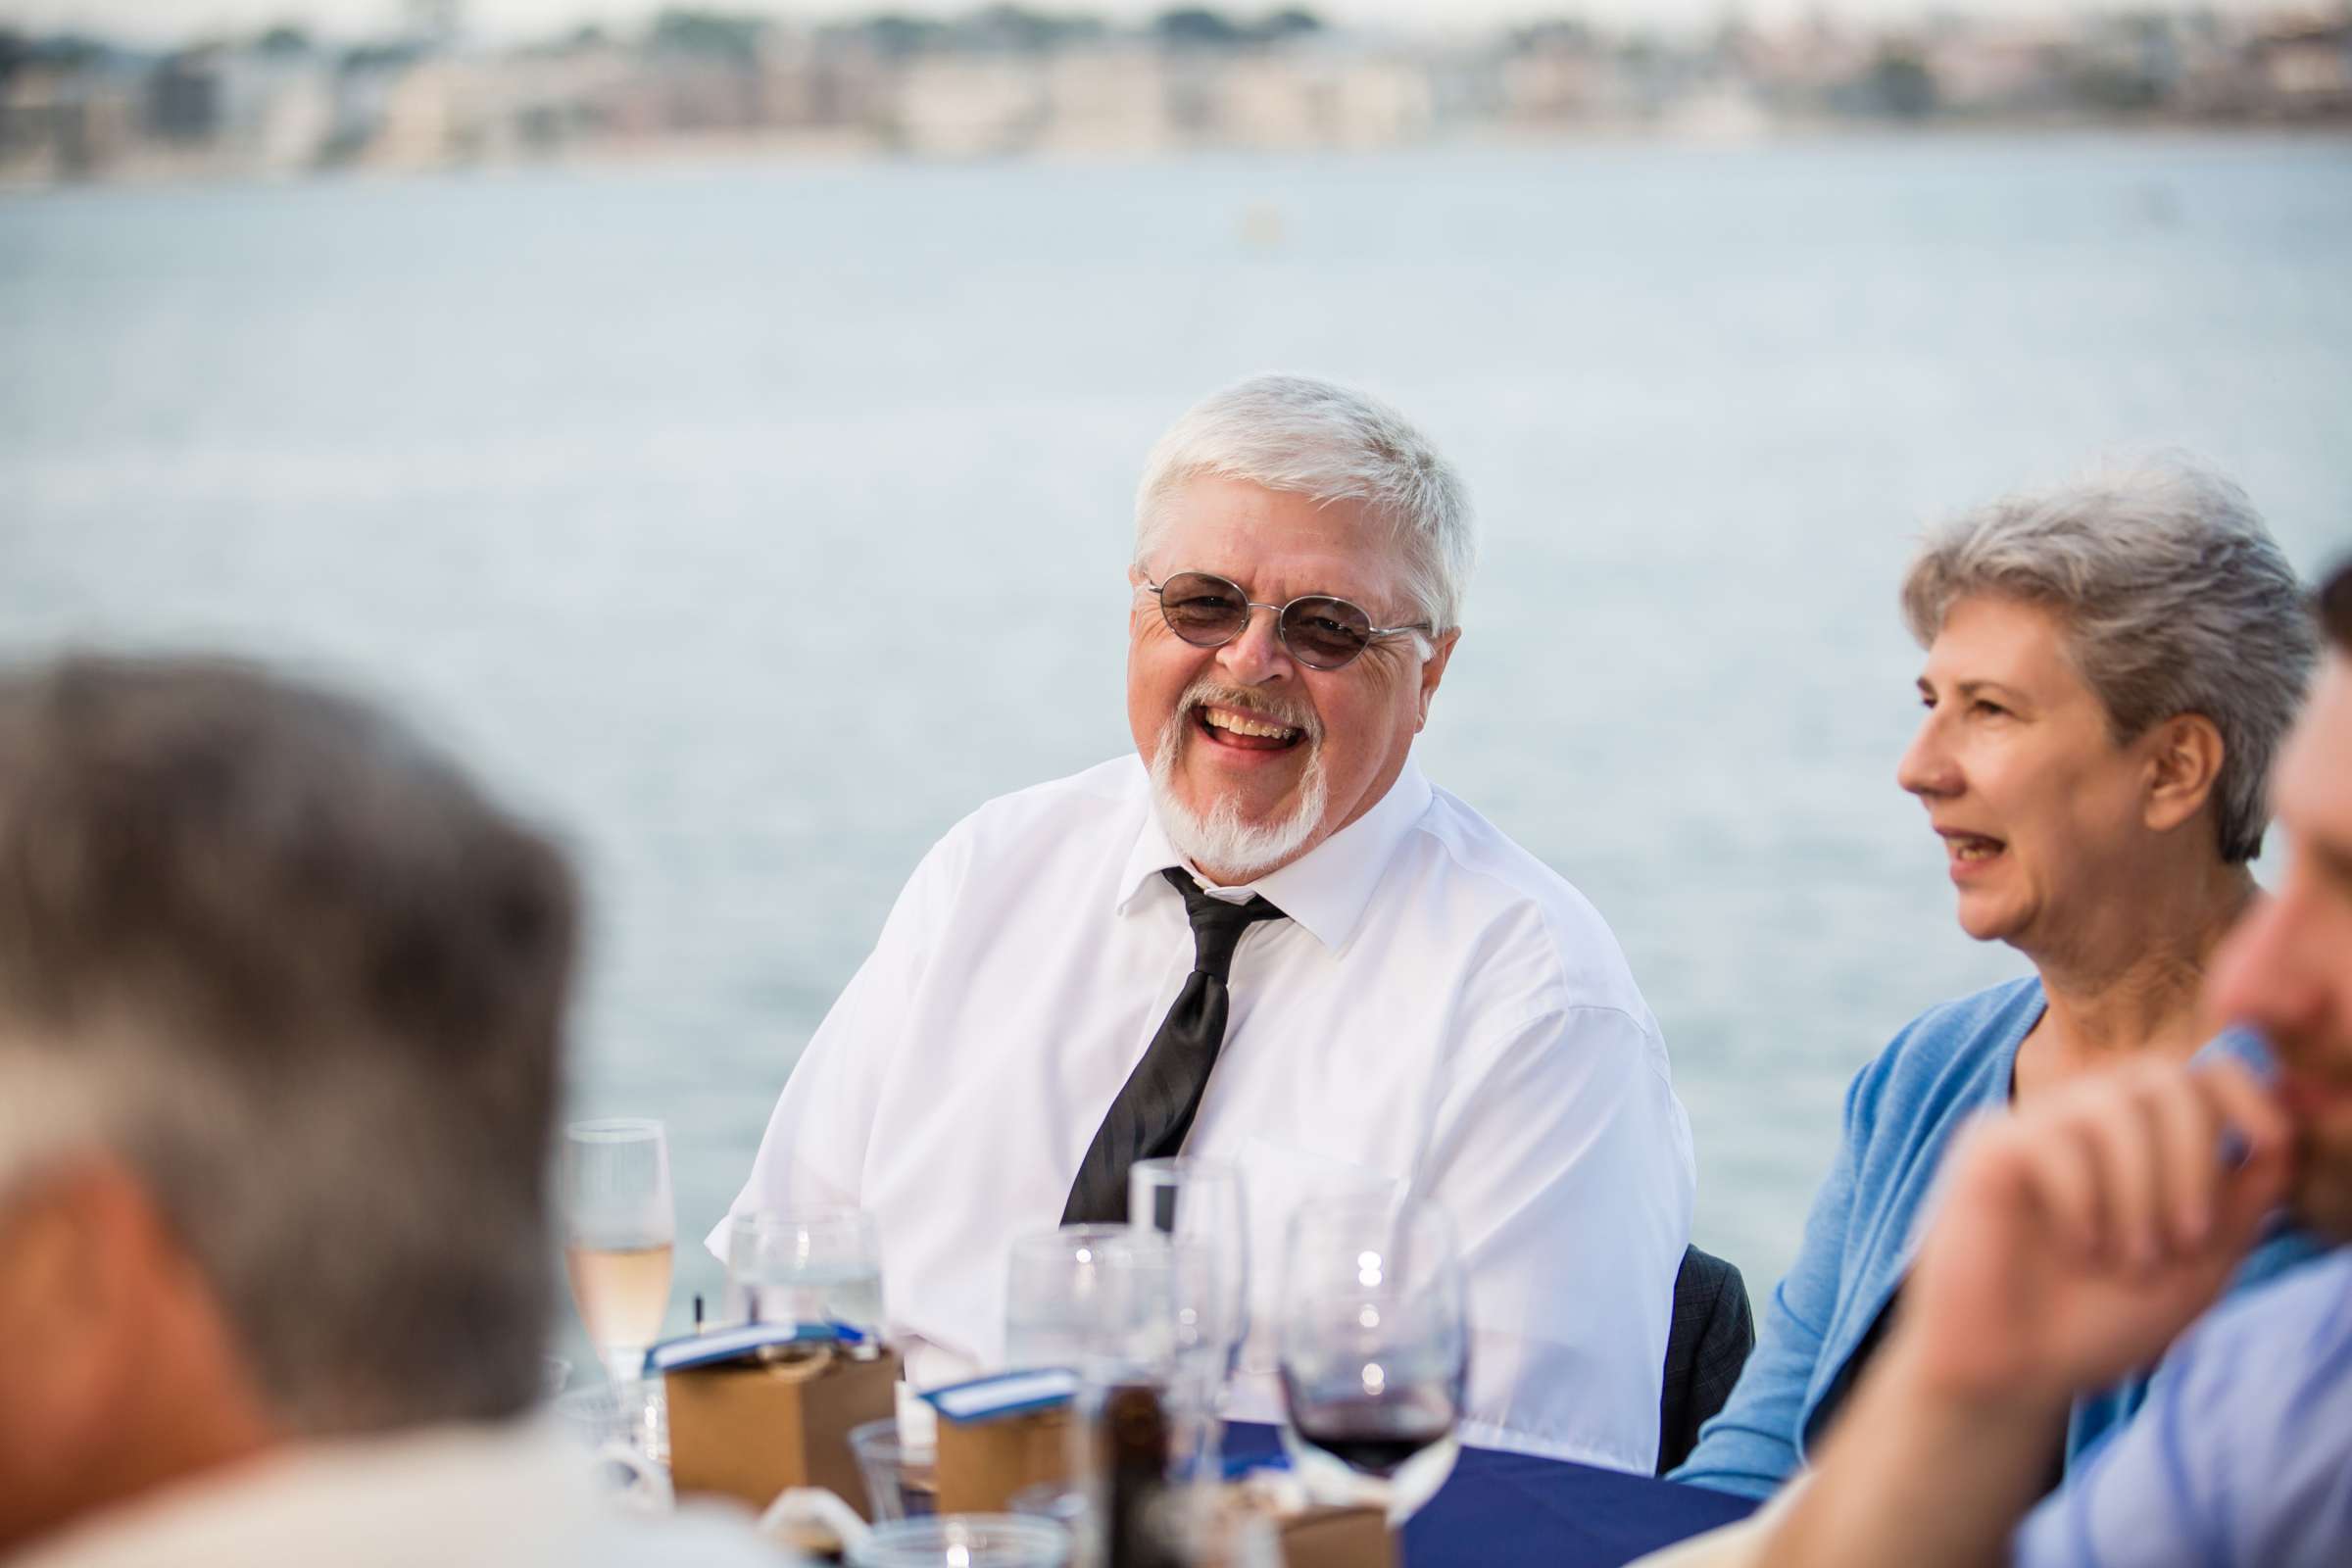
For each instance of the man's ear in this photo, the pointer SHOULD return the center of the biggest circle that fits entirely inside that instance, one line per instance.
(122, 1374)
(2184, 761)
(1433, 671)
(77, 1269)
(1137, 606)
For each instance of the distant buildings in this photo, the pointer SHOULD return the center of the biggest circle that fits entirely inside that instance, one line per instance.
(1005, 82)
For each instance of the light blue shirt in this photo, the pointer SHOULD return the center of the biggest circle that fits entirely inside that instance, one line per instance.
(2243, 1455)
(1952, 1062)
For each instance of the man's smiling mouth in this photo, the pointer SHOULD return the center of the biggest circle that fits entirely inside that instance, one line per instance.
(1236, 728)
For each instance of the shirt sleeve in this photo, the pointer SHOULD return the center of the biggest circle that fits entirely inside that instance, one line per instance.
(2241, 1457)
(1562, 1155)
(814, 1153)
(1750, 1446)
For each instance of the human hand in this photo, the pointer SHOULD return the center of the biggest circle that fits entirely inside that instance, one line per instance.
(2077, 1239)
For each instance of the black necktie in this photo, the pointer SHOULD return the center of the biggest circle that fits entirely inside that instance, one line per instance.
(1155, 1110)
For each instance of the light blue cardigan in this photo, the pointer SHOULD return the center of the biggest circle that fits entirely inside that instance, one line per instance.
(1901, 1112)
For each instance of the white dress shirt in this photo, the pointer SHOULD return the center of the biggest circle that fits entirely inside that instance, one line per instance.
(1440, 1009)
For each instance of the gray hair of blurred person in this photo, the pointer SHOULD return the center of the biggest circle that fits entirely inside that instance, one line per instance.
(2174, 599)
(291, 969)
(1308, 437)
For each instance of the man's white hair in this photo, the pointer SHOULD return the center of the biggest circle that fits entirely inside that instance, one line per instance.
(1307, 437)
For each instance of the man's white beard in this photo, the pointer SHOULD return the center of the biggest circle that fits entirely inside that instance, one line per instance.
(1221, 842)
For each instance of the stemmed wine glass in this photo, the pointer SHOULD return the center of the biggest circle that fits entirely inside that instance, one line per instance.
(1374, 1351)
(620, 1226)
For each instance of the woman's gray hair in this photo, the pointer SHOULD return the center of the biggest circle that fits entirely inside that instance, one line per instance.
(2175, 597)
(1308, 437)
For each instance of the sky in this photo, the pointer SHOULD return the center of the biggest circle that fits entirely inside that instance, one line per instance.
(170, 21)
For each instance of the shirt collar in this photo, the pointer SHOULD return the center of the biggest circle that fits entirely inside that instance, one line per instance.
(1324, 890)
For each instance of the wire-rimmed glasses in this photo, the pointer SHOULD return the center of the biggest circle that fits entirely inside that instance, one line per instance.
(1321, 631)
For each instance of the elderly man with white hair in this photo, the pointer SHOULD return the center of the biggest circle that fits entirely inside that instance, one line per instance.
(1266, 939)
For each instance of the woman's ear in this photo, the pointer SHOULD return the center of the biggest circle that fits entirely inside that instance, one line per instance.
(2184, 761)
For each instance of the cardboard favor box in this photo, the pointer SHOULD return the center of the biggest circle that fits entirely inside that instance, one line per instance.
(982, 1464)
(1000, 1435)
(1306, 1535)
(1335, 1538)
(748, 1422)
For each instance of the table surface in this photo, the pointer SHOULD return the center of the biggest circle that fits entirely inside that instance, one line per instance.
(1500, 1509)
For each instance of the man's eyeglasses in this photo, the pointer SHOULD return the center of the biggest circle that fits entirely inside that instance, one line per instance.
(1319, 631)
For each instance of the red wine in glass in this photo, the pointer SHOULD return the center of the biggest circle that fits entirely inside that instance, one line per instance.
(1398, 1446)
(1370, 1436)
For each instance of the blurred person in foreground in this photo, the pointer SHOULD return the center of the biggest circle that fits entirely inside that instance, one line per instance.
(281, 999)
(2078, 1237)
(1415, 1000)
(2111, 666)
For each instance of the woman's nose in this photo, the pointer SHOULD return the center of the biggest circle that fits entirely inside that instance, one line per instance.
(1927, 769)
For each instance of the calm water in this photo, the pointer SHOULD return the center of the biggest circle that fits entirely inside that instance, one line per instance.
(754, 525)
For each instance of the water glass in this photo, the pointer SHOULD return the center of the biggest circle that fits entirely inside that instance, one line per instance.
(964, 1540)
(1197, 1205)
(820, 1268)
(901, 1477)
(1090, 1297)
(1373, 1344)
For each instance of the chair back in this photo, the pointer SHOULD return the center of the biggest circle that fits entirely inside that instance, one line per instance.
(1708, 1343)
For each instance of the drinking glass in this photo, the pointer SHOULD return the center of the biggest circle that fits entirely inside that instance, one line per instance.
(964, 1540)
(821, 1267)
(1090, 1296)
(620, 1225)
(1374, 1351)
(901, 1478)
(1197, 1203)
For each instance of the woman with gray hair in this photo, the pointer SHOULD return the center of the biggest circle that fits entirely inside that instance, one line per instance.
(2109, 669)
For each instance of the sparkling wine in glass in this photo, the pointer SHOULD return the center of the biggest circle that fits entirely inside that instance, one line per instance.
(620, 1226)
(1374, 1351)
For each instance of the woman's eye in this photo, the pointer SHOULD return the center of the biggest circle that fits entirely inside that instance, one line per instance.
(1981, 705)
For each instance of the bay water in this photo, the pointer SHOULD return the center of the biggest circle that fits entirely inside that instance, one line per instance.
(751, 524)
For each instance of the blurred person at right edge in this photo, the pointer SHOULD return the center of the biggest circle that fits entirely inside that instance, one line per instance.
(282, 1004)
(2078, 1237)
(2111, 666)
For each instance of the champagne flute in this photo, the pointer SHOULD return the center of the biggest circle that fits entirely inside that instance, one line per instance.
(1374, 1351)
(620, 1225)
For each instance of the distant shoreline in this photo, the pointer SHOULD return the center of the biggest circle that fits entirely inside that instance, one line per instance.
(736, 151)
